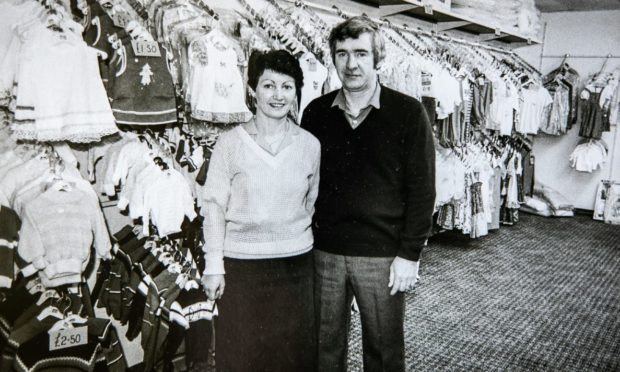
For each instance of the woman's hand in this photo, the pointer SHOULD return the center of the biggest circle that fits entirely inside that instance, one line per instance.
(214, 286)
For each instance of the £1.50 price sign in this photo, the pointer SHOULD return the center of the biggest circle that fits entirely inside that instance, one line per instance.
(145, 48)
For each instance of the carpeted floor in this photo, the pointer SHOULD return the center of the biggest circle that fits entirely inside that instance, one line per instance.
(543, 295)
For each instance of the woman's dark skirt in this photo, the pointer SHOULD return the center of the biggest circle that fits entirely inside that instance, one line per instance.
(266, 316)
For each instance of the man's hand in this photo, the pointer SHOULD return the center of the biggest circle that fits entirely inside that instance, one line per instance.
(403, 274)
(214, 286)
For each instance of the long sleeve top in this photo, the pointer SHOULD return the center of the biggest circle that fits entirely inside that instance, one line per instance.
(259, 205)
(58, 230)
(377, 188)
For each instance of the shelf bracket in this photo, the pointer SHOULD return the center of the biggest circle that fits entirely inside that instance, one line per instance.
(444, 26)
(487, 37)
(520, 44)
(387, 10)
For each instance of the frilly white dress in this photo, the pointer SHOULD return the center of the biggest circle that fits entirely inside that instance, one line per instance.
(216, 92)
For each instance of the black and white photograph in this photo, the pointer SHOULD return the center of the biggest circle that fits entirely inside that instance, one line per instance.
(309, 185)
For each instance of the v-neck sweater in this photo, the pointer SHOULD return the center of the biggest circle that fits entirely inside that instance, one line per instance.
(258, 205)
(377, 187)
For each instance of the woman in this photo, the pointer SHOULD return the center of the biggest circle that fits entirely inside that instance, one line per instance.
(259, 199)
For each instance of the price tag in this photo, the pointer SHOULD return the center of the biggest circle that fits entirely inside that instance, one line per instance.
(428, 9)
(145, 48)
(498, 31)
(69, 337)
(121, 19)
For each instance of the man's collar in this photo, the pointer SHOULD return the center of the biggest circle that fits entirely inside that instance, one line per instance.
(375, 101)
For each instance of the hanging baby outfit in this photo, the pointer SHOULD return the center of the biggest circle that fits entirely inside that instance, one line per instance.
(141, 88)
(315, 75)
(216, 88)
(60, 96)
(535, 101)
(592, 121)
(556, 122)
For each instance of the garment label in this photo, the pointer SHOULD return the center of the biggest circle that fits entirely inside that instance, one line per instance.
(428, 9)
(498, 31)
(145, 48)
(121, 19)
(532, 160)
(69, 337)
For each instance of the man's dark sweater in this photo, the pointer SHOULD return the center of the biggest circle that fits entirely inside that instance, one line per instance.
(377, 183)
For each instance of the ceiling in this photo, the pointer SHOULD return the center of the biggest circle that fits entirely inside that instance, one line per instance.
(576, 5)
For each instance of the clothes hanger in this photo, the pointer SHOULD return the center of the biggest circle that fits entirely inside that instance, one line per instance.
(600, 71)
(50, 311)
(68, 322)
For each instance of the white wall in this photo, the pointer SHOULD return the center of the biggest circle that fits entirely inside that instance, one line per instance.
(593, 33)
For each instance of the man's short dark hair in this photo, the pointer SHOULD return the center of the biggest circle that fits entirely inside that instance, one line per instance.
(353, 28)
(279, 61)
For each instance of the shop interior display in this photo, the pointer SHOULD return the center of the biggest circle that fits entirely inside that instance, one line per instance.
(113, 107)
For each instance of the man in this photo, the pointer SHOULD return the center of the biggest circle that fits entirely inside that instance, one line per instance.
(376, 199)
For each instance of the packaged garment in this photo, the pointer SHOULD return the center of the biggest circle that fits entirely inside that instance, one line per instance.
(607, 202)
(535, 205)
(558, 113)
(569, 78)
(612, 205)
(602, 193)
(556, 201)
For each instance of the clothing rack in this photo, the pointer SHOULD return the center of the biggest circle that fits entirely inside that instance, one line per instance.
(203, 5)
(139, 9)
(306, 39)
(580, 56)
(420, 31)
(276, 32)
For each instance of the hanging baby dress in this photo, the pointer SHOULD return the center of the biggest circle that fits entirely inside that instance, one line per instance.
(60, 96)
(141, 87)
(216, 88)
(315, 75)
(592, 122)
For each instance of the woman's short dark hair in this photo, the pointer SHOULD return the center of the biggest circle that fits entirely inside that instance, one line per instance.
(279, 61)
(352, 28)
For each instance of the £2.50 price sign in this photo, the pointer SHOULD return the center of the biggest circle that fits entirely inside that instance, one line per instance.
(69, 337)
